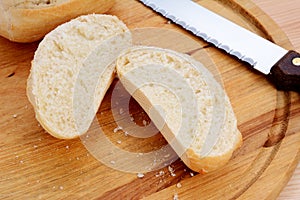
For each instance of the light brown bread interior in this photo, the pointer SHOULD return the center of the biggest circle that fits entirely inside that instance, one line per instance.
(74, 66)
(202, 144)
(71, 71)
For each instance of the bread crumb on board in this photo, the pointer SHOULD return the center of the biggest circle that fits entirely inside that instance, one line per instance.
(119, 128)
(140, 175)
(160, 173)
(144, 123)
(112, 162)
(171, 170)
(178, 185)
(175, 197)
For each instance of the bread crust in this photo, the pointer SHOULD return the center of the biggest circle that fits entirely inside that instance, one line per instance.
(115, 38)
(208, 164)
(191, 157)
(31, 24)
(202, 165)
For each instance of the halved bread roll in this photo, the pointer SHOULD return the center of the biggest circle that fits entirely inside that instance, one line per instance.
(72, 69)
(31, 20)
(185, 102)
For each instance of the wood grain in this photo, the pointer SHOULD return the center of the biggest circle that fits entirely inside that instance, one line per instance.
(35, 165)
(284, 13)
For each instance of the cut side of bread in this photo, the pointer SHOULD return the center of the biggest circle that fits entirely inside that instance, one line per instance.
(72, 69)
(190, 107)
(30, 20)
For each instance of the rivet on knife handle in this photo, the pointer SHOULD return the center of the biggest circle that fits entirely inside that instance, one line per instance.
(285, 74)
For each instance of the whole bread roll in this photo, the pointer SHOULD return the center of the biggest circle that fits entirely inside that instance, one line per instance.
(30, 20)
(185, 102)
(72, 69)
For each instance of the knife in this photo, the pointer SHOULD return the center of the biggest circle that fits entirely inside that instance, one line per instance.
(281, 66)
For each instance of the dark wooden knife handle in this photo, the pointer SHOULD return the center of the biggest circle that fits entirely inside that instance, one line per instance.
(285, 74)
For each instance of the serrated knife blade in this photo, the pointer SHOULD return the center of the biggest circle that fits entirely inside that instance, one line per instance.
(281, 65)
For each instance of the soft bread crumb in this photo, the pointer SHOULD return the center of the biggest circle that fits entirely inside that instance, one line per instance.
(112, 162)
(71, 71)
(140, 175)
(175, 197)
(133, 67)
(172, 171)
(119, 128)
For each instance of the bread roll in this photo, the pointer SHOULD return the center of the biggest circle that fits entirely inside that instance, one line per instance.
(29, 20)
(185, 102)
(71, 71)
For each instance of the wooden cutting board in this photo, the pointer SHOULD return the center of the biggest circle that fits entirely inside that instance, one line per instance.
(35, 165)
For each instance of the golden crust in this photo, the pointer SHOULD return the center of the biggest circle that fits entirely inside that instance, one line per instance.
(36, 100)
(192, 159)
(29, 25)
(32, 100)
(207, 164)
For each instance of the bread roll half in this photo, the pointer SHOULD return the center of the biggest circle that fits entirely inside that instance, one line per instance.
(185, 102)
(30, 20)
(72, 69)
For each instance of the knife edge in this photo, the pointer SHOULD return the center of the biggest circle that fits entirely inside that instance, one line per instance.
(200, 24)
(272, 60)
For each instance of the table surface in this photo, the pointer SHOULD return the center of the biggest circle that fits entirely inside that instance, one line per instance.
(286, 15)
